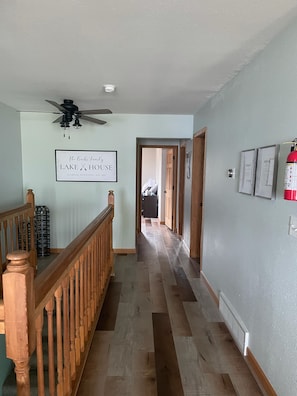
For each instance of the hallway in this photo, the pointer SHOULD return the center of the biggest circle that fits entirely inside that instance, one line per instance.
(160, 332)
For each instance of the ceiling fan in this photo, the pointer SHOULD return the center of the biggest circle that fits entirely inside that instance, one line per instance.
(70, 111)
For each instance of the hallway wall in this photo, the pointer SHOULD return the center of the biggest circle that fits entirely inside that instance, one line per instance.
(73, 205)
(11, 180)
(247, 252)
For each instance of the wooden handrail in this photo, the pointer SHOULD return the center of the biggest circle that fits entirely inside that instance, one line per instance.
(13, 212)
(63, 301)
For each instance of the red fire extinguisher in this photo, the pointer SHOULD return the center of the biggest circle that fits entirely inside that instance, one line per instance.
(290, 188)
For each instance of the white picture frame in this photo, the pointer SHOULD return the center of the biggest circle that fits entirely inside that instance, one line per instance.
(267, 162)
(86, 166)
(247, 171)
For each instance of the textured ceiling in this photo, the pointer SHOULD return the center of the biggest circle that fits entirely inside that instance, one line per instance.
(164, 56)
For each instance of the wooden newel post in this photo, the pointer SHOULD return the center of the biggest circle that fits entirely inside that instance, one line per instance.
(110, 197)
(111, 202)
(30, 198)
(19, 302)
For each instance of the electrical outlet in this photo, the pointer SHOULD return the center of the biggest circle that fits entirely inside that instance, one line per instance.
(293, 226)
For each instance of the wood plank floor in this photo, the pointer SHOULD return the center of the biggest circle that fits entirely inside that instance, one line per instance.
(160, 333)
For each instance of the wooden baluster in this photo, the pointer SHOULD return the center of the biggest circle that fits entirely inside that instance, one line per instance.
(89, 291)
(5, 237)
(111, 254)
(98, 264)
(18, 280)
(77, 313)
(81, 304)
(85, 298)
(66, 336)
(50, 341)
(60, 385)
(19, 234)
(101, 264)
(99, 268)
(94, 265)
(102, 258)
(97, 261)
(39, 353)
(72, 323)
(107, 248)
(104, 249)
(33, 253)
(25, 230)
(91, 283)
(96, 268)
(11, 236)
(93, 278)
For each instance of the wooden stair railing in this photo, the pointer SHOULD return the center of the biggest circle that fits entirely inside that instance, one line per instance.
(17, 232)
(62, 304)
(16, 226)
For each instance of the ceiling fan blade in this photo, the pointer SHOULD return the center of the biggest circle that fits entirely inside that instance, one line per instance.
(59, 119)
(95, 120)
(99, 111)
(61, 108)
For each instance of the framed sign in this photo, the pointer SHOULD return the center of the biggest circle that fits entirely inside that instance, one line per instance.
(247, 171)
(83, 165)
(266, 172)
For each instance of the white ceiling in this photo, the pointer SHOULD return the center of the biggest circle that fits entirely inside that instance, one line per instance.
(164, 56)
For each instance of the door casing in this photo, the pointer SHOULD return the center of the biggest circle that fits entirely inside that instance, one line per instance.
(197, 193)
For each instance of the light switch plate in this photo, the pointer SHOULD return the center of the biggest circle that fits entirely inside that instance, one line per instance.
(231, 173)
(293, 226)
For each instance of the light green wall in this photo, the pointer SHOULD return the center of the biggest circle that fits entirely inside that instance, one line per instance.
(10, 158)
(73, 204)
(11, 187)
(247, 252)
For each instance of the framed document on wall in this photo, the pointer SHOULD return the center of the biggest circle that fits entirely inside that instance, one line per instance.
(86, 165)
(266, 172)
(247, 171)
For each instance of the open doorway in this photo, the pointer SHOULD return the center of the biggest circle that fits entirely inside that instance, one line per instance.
(156, 186)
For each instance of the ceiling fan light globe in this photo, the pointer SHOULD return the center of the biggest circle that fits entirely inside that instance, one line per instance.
(77, 124)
